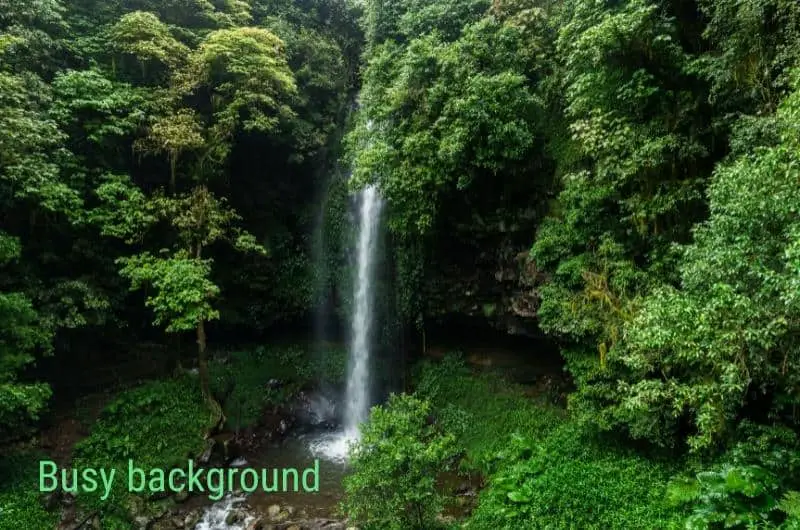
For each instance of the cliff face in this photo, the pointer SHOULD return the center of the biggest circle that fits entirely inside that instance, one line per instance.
(485, 273)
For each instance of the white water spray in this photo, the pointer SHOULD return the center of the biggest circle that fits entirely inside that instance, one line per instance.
(216, 516)
(357, 392)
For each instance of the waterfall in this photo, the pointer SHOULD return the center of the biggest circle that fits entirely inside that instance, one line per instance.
(357, 394)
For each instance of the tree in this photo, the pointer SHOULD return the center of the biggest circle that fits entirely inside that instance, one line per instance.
(727, 337)
(21, 336)
(30, 181)
(180, 277)
(173, 135)
(242, 74)
(143, 38)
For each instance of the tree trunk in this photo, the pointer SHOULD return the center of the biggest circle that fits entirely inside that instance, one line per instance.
(218, 417)
(173, 167)
(202, 361)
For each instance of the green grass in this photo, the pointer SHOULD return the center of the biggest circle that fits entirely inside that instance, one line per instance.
(484, 410)
(20, 504)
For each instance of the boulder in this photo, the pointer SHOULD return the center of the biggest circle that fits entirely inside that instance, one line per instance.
(192, 518)
(256, 524)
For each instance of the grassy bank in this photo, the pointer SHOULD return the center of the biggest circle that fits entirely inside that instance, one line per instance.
(542, 468)
(19, 493)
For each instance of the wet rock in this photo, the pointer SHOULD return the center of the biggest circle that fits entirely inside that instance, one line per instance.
(257, 524)
(462, 488)
(166, 523)
(445, 519)
(51, 501)
(206, 456)
(136, 507)
(327, 524)
(68, 516)
(159, 495)
(234, 517)
(192, 518)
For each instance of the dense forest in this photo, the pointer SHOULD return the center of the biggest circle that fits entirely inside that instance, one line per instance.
(613, 186)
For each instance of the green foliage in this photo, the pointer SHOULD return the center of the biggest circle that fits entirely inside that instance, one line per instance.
(243, 379)
(730, 497)
(247, 79)
(21, 336)
(570, 479)
(426, 134)
(749, 487)
(159, 425)
(29, 159)
(394, 467)
(758, 48)
(20, 504)
(626, 156)
(543, 470)
(182, 289)
(141, 36)
(485, 425)
(729, 334)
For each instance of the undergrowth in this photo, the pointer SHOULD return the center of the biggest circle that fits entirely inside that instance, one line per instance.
(483, 410)
(542, 470)
(160, 424)
(20, 505)
(242, 380)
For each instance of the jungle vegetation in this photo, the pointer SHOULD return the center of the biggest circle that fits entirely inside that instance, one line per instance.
(162, 165)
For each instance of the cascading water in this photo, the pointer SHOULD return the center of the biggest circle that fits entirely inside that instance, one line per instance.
(357, 391)
(357, 396)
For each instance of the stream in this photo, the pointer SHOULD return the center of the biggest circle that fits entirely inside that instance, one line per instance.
(298, 451)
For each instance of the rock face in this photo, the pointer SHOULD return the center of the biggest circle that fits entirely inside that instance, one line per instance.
(492, 278)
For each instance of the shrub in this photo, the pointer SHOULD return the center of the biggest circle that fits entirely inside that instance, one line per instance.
(749, 487)
(395, 465)
(568, 480)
